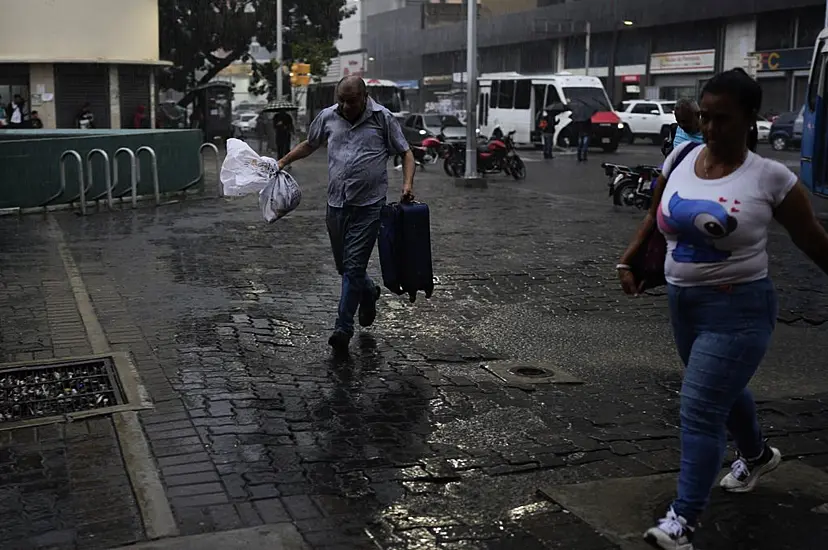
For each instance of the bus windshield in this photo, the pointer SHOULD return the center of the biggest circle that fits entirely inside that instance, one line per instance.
(387, 96)
(594, 97)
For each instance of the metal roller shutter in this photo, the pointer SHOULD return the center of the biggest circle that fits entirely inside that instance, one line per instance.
(134, 84)
(76, 85)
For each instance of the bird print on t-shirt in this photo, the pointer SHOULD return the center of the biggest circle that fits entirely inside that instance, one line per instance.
(697, 225)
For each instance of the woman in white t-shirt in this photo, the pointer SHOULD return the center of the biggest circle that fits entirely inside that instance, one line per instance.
(714, 208)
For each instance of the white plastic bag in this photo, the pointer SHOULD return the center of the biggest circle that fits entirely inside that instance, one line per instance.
(279, 197)
(244, 171)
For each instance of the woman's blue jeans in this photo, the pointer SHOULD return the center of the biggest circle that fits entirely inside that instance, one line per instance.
(722, 334)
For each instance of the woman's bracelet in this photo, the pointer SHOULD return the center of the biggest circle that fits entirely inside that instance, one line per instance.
(623, 267)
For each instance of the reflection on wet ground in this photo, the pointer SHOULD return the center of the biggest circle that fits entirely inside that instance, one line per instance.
(408, 442)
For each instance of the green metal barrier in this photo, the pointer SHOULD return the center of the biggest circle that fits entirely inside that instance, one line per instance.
(30, 164)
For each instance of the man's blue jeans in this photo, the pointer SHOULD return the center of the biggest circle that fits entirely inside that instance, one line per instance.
(583, 146)
(722, 334)
(548, 145)
(353, 232)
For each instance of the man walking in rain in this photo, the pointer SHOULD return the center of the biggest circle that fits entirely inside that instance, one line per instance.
(360, 135)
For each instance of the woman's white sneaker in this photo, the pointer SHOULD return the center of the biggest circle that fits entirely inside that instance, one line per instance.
(745, 474)
(671, 533)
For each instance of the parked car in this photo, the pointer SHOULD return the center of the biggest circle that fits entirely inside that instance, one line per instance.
(647, 119)
(763, 126)
(246, 122)
(786, 131)
(419, 126)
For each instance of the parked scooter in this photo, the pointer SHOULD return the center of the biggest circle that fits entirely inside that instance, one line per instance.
(428, 152)
(496, 156)
(631, 186)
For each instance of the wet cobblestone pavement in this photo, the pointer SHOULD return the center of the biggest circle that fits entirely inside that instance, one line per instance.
(409, 443)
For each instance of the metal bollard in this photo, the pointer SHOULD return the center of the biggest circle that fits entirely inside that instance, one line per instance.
(133, 174)
(63, 157)
(154, 160)
(107, 174)
(218, 165)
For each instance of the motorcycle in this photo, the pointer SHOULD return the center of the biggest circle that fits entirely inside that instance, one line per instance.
(631, 186)
(496, 156)
(428, 152)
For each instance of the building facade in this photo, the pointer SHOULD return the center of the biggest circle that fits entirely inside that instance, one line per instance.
(639, 48)
(61, 55)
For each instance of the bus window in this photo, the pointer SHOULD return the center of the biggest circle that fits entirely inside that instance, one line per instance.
(552, 95)
(816, 76)
(540, 99)
(523, 94)
(495, 94)
(506, 97)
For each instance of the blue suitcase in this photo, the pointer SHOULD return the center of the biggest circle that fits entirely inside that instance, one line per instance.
(405, 249)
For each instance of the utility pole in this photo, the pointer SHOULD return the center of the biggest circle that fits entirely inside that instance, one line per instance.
(280, 80)
(471, 92)
(587, 49)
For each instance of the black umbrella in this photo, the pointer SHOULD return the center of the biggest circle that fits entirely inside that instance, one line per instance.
(583, 110)
(556, 108)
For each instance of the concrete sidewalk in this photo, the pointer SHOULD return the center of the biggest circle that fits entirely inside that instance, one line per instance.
(424, 437)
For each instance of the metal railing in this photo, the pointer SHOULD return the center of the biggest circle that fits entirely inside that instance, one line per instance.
(66, 154)
(112, 175)
(203, 173)
(84, 186)
(133, 175)
(107, 175)
(156, 185)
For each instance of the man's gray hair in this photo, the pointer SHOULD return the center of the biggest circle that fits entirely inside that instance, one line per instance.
(686, 103)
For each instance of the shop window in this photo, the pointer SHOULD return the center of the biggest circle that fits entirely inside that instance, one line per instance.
(523, 94)
(774, 94)
(574, 52)
(774, 30)
(679, 38)
(810, 25)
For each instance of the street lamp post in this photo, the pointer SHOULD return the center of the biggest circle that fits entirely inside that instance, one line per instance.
(587, 46)
(471, 92)
(280, 77)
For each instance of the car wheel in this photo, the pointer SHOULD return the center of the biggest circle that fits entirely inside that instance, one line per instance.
(779, 143)
(627, 135)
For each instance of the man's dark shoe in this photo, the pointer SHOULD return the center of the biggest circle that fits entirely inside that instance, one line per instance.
(339, 341)
(368, 309)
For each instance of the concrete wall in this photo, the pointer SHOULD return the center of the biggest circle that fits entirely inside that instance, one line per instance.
(740, 40)
(42, 81)
(350, 29)
(79, 30)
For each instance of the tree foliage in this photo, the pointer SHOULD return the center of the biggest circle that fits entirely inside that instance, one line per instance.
(203, 37)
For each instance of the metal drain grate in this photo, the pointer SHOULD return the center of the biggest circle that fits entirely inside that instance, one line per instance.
(37, 391)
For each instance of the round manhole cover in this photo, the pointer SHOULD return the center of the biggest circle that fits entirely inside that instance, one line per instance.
(531, 372)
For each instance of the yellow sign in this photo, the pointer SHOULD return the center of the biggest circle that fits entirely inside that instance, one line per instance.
(300, 74)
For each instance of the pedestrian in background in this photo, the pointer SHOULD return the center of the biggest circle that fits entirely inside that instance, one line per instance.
(584, 135)
(714, 209)
(361, 135)
(283, 124)
(547, 124)
(17, 112)
(689, 125)
(36, 123)
(85, 119)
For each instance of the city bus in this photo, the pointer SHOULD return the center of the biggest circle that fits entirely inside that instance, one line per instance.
(514, 101)
(385, 92)
(814, 155)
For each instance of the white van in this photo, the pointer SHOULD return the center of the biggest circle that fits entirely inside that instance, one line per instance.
(516, 102)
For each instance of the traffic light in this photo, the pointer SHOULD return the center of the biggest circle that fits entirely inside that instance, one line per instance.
(300, 74)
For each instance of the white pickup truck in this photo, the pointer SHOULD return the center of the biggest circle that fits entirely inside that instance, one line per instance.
(647, 119)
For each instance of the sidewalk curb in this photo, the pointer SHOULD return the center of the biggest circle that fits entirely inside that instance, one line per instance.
(277, 536)
(150, 496)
